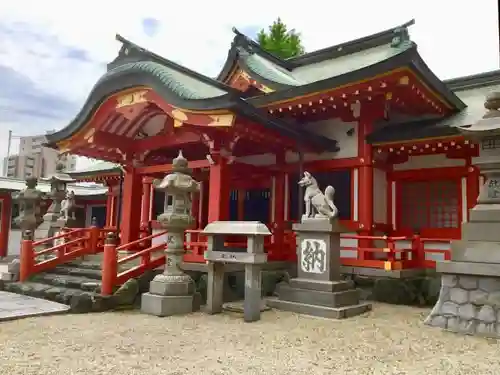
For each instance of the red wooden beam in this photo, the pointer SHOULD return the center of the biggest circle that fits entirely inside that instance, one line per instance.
(109, 140)
(100, 155)
(195, 164)
(238, 167)
(320, 165)
(165, 141)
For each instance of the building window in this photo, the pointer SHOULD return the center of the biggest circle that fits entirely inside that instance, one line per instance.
(490, 143)
(432, 205)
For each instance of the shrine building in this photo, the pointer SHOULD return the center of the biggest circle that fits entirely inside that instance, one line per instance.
(368, 117)
(90, 203)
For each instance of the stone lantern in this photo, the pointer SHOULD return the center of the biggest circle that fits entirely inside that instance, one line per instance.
(469, 300)
(30, 202)
(172, 292)
(52, 220)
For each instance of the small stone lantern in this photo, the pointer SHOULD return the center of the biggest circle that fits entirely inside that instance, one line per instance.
(172, 292)
(58, 190)
(30, 202)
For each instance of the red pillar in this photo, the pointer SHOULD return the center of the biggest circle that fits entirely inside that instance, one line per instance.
(195, 209)
(473, 187)
(146, 203)
(114, 205)
(279, 209)
(218, 190)
(109, 207)
(241, 204)
(365, 185)
(131, 206)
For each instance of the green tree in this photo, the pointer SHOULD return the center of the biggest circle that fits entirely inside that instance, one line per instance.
(280, 41)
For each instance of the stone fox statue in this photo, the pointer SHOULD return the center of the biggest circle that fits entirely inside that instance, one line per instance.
(68, 206)
(318, 205)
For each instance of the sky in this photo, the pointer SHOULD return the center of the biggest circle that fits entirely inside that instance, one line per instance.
(52, 52)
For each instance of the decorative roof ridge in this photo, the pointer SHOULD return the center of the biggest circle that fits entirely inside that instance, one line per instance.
(474, 81)
(397, 37)
(124, 57)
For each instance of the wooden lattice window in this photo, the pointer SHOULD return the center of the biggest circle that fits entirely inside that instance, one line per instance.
(429, 205)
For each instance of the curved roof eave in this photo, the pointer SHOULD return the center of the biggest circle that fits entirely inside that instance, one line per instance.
(409, 57)
(112, 84)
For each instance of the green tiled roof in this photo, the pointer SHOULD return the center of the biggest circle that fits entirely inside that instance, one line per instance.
(183, 85)
(327, 69)
(270, 71)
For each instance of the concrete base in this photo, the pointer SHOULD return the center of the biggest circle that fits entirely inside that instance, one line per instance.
(469, 303)
(320, 311)
(162, 306)
(239, 306)
(327, 299)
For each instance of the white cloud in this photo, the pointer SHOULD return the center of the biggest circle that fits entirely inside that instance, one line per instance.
(454, 38)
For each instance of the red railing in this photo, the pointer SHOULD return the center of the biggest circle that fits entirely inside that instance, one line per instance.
(195, 244)
(384, 252)
(111, 275)
(62, 248)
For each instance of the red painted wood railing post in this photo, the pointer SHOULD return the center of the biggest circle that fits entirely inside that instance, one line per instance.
(109, 265)
(418, 251)
(27, 256)
(391, 255)
(93, 239)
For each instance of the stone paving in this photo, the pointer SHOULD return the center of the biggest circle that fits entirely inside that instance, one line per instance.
(16, 306)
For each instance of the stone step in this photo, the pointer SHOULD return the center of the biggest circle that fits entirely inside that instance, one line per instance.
(84, 264)
(78, 300)
(315, 297)
(68, 281)
(89, 273)
(320, 311)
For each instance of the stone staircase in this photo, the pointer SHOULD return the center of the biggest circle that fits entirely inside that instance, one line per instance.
(74, 284)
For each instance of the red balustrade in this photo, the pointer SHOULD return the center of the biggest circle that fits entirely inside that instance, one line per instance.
(62, 248)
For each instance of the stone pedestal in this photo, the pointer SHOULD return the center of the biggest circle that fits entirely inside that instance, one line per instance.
(318, 290)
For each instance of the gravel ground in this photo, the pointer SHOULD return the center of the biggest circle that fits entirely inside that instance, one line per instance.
(389, 340)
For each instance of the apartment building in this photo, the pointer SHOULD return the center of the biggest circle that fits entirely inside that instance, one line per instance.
(35, 160)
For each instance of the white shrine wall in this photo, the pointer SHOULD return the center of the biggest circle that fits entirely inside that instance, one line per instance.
(334, 129)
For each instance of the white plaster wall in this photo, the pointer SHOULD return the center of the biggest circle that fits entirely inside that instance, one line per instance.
(428, 161)
(379, 196)
(488, 153)
(334, 129)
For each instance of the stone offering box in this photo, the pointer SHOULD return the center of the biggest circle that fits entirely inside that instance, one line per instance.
(217, 255)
